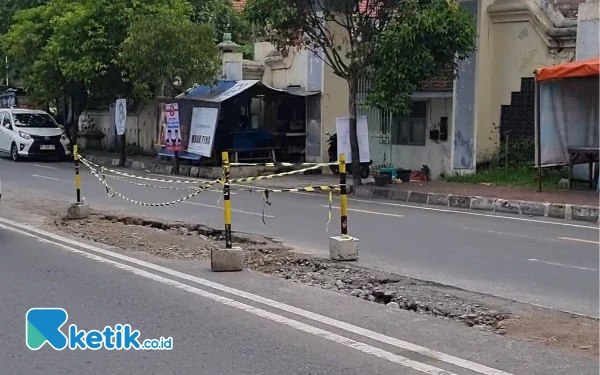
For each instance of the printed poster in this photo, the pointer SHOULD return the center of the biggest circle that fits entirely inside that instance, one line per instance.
(342, 128)
(120, 116)
(172, 135)
(202, 131)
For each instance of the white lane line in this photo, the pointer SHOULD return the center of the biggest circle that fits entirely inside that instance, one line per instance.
(44, 166)
(53, 179)
(466, 364)
(578, 240)
(511, 234)
(563, 265)
(365, 211)
(356, 345)
(220, 208)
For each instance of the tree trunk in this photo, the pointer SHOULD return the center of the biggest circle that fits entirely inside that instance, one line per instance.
(355, 167)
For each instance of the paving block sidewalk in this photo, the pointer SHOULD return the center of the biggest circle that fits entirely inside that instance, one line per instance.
(569, 205)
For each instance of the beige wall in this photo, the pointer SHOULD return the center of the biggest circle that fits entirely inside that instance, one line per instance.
(140, 128)
(292, 70)
(510, 48)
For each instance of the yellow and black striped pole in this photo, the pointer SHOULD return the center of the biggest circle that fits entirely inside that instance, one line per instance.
(77, 176)
(227, 199)
(343, 195)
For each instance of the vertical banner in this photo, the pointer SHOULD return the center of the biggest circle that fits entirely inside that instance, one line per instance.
(202, 131)
(120, 116)
(172, 135)
(342, 127)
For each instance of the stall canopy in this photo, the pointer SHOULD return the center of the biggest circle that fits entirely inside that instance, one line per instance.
(224, 90)
(567, 113)
(575, 69)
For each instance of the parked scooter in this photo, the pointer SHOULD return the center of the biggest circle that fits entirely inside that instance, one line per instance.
(365, 167)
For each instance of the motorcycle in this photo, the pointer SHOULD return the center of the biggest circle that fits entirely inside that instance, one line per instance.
(365, 167)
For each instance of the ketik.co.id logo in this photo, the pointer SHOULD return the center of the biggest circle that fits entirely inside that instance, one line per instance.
(43, 325)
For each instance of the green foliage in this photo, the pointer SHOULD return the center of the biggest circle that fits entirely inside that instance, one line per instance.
(86, 47)
(396, 43)
(223, 18)
(426, 38)
(163, 44)
(523, 176)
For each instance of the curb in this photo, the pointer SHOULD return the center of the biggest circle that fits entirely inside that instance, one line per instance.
(516, 207)
(184, 170)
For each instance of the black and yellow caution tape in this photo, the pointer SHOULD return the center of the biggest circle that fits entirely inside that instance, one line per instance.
(309, 189)
(111, 193)
(268, 177)
(281, 164)
(92, 165)
(124, 179)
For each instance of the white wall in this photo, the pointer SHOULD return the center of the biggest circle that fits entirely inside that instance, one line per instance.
(140, 127)
(436, 155)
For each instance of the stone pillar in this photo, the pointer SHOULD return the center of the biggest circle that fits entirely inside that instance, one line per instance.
(231, 58)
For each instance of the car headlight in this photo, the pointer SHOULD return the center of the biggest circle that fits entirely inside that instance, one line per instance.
(24, 135)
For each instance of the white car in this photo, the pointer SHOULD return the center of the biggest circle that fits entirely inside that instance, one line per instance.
(31, 133)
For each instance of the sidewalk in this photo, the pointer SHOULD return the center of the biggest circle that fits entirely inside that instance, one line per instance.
(564, 204)
(567, 204)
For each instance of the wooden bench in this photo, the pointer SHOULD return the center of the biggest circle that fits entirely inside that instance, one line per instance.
(269, 150)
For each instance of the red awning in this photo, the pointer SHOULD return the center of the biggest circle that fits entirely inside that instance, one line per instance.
(575, 69)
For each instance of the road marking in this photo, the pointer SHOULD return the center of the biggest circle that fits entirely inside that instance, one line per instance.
(439, 356)
(365, 211)
(219, 207)
(511, 234)
(44, 166)
(53, 179)
(563, 265)
(578, 240)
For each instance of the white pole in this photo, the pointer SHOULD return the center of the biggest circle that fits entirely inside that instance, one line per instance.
(6, 66)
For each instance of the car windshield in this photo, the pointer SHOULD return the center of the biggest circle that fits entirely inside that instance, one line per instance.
(34, 120)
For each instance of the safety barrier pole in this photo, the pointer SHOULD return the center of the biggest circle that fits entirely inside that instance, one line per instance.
(227, 199)
(343, 196)
(77, 176)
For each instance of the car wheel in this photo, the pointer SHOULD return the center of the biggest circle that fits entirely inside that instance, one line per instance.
(14, 153)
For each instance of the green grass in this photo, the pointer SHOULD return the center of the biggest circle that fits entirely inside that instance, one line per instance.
(515, 176)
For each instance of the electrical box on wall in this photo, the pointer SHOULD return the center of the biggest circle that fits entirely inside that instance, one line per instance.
(434, 134)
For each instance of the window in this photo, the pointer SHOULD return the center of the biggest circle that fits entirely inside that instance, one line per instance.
(5, 118)
(34, 120)
(412, 129)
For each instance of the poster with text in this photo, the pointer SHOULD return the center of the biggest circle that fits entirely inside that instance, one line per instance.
(342, 128)
(202, 131)
(173, 138)
(120, 115)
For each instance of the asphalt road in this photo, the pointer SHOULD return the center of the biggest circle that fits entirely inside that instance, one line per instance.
(549, 262)
(218, 329)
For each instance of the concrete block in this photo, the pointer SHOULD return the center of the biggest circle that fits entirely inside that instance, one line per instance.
(459, 201)
(138, 165)
(380, 193)
(556, 210)
(399, 195)
(194, 171)
(585, 213)
(482, 203)
(184, 170)
(226, 260)
(363, 192)
(128, 163)
(533, 208)
(510, 207)
(77, 211)
(343, 248)
(167, 169)
(438, 199)
(418, 197)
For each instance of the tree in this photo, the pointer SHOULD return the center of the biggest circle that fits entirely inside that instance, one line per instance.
(224, 19)
(396, 43)
(7, 10)
(164, 44)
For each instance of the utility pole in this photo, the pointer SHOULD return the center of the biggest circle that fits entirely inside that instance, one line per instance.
(6, 69)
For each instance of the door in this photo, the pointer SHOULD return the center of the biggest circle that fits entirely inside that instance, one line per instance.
(5, 132)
